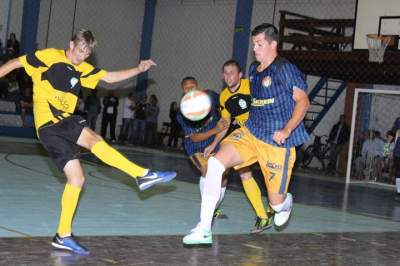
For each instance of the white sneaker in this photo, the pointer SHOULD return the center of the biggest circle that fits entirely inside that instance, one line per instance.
(282, 217)
(198, 236)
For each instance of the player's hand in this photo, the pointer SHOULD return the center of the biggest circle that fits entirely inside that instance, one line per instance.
(223, 124)
(280, 136)
(208, 150)
(145, 65)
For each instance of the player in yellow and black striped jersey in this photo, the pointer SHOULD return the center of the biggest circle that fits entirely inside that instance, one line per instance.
(235, 102)
(58, 76)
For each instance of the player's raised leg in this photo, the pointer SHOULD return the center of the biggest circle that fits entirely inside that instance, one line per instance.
(144, 177)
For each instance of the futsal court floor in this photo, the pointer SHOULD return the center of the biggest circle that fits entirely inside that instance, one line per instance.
(331, 223)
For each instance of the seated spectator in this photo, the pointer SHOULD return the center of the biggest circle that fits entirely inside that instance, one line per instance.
(370, 163)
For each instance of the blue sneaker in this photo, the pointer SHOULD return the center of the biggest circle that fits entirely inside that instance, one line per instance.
(153, 178)
(69, 243)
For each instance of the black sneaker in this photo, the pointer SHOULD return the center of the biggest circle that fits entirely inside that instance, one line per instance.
(69, 243)
(262, 224)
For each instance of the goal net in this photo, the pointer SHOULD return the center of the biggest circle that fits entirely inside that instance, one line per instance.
(374, 112)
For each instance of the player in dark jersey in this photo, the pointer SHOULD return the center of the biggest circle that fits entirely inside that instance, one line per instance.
(274, 128)
(234, 101)
(200, 134)
(58, 76)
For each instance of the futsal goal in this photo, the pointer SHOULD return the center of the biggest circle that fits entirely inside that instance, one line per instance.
(374, 112)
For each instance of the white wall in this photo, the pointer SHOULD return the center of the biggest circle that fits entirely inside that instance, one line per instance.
(191, 38)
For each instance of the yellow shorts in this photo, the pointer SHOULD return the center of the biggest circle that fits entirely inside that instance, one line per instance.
(276, 163)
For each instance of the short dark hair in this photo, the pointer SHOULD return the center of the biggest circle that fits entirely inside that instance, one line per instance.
(232, 62)
(188, 78)
(86, 37)
(271, 32)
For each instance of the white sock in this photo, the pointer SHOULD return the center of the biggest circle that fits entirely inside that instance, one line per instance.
(201, 184)
(221, 196)
(398, 184)
(284, 206)
(211, 192)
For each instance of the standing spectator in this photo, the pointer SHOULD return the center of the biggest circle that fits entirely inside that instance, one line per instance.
(388, 148)
(110, 111)
(175, 127)
(139, 124)
(127, 118)
(338, 137)
(12, 46)
(152, 112)
(92, 109)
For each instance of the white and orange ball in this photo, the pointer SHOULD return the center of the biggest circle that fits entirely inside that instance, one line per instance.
(195, 105)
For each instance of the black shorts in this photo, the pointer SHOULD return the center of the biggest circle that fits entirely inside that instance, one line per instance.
(60, 139)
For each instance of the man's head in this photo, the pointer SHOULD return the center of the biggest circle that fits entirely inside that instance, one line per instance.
(232, 73)
(81, 46)
(265, 40)
(188, 84)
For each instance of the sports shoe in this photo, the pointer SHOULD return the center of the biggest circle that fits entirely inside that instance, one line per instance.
(69, 243)
(198, 236)
(153, 178)
(219, 214)
(262, 224)
(283, 216)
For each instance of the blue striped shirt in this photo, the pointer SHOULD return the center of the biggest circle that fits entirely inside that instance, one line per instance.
(272, 102)
(190, 127)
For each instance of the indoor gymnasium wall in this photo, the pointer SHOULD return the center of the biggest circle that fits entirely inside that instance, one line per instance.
(190, 38)
(4, 10)
(15, 22)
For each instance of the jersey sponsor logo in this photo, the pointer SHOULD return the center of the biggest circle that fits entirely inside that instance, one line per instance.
(251, 78)
(63, 102)
(266, 82)
(262, 102)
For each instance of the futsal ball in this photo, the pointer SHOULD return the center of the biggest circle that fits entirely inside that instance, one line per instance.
(195, 105)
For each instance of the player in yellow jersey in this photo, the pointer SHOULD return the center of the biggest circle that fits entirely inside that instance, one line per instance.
(235, 101)
(58, 76)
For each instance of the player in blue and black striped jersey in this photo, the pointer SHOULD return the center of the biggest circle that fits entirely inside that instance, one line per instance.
(200, 134)
(278, 106)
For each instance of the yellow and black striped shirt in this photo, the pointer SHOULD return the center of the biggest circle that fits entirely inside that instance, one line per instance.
(56, 83)
(236, 104)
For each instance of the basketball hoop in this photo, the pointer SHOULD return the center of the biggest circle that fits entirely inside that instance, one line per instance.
(376, 46)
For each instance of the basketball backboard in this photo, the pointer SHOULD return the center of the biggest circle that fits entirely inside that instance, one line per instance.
(375, 17)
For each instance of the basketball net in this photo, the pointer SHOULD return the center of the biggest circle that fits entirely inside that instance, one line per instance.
(376, 46)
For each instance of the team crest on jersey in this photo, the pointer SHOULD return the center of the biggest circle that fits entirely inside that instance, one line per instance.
(242, 104)
(251, 78)
(267, 81)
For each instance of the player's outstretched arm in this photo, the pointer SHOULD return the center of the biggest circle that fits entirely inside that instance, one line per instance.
(9, 66)
(222, 125)
(300, 110)
(116, 76)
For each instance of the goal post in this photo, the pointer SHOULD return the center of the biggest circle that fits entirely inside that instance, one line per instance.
(374, 110)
